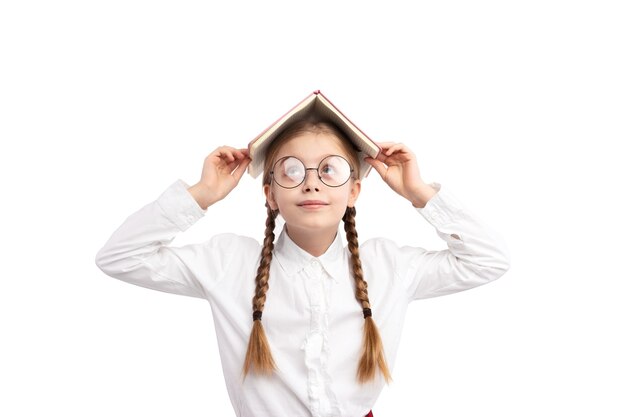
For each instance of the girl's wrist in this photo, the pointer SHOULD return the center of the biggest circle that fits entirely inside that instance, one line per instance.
(421, 195)
(200, 194)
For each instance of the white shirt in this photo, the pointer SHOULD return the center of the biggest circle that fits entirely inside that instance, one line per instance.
(312, 320)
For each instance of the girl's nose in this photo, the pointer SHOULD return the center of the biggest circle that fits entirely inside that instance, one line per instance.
(311, 182)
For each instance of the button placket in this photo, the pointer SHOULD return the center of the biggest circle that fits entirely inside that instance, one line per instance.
(316, 340)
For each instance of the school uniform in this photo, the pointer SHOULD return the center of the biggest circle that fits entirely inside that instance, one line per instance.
(312, 320)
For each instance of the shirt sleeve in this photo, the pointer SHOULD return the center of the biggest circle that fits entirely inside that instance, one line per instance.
(138, 252)
(476, 254)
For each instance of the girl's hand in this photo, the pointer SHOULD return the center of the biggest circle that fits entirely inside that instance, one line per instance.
(397, 166)
(222, 170)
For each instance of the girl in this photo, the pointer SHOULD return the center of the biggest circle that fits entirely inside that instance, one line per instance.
(317, 331)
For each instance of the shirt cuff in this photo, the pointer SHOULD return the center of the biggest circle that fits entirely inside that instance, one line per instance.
(442, 207)
(179, 205)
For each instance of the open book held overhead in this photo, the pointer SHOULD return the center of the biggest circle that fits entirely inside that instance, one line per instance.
(316, 106)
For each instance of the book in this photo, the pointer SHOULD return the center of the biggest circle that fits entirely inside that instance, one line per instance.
(316, 104)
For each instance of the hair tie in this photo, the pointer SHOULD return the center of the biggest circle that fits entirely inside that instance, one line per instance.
(257, 315)
(367, 312)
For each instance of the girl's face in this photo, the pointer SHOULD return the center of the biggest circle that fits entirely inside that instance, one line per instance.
(312, 206)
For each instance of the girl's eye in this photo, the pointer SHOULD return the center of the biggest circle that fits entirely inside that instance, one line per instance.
(328, 169)
(292, 168)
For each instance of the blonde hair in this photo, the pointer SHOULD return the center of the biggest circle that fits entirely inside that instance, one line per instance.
(259, 356)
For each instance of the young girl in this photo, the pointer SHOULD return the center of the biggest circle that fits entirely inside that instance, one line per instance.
(316, 332)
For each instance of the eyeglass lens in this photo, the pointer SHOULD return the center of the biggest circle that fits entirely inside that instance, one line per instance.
(333, 171)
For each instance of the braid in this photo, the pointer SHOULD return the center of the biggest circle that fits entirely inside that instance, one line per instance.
(259, 355)
(373, 355)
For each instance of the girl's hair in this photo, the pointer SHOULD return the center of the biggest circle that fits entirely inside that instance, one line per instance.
(259, 357)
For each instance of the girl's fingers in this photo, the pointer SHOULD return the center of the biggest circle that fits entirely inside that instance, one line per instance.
(227, 151)
(385, 145)
(230, 167)
(231, 160)
(394, 153)
(227, 154)
(238, 173)
(231, 155)
(379, 166)
(238, 153)
(395, 148)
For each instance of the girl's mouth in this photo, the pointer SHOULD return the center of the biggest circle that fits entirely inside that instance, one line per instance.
(312, 204)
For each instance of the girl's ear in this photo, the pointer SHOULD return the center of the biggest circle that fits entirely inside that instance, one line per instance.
(354, 193)
(269, 196)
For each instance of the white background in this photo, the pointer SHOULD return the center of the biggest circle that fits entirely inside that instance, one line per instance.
(518, 107)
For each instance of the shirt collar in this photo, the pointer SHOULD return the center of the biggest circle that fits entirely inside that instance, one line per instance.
(293, 259)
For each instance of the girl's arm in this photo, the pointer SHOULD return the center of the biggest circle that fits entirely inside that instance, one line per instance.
(476, 254)
(138, 252)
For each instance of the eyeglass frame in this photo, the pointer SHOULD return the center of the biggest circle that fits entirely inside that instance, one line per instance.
(311, 169)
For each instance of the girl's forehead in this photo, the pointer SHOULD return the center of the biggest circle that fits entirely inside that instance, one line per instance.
(311, 146)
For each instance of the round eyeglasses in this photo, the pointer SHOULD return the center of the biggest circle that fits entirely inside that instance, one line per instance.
(290, 172)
